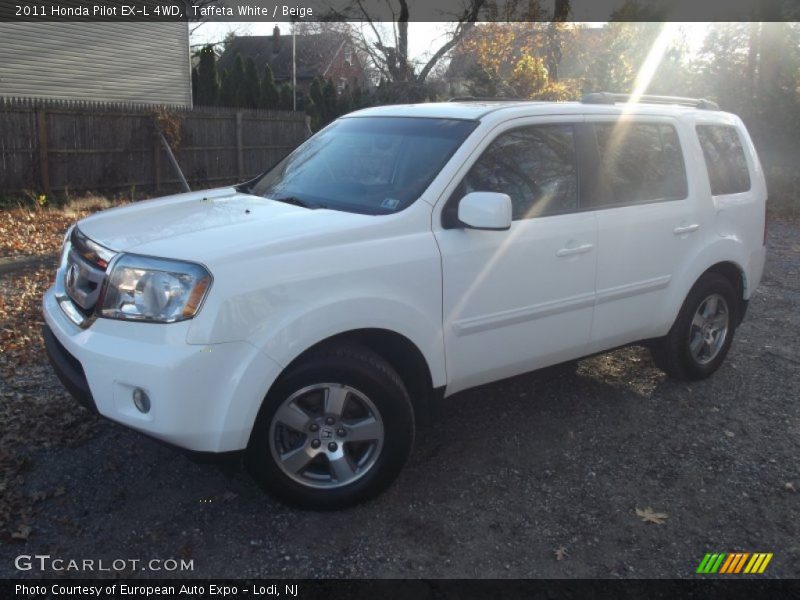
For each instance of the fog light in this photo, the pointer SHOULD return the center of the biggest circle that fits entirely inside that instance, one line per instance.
(141, 400)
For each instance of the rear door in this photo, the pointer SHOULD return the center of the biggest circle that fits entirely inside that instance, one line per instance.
(647, 225)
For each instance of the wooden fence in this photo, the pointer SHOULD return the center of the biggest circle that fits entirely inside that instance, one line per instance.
(59, 148)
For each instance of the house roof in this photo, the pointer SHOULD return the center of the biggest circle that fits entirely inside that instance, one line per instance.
(314, 53)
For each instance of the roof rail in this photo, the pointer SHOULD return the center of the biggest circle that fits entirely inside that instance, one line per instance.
(609, 98)
(487, 99)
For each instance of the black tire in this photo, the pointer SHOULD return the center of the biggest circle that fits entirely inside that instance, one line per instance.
(359, 368)
(672, 353)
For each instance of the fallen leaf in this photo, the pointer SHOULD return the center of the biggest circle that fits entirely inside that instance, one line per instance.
(648, 516)
(22, 532)
(790, 487)
(729, 433)
(561, 553)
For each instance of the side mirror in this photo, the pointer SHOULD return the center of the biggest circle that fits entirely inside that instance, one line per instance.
(485, 210)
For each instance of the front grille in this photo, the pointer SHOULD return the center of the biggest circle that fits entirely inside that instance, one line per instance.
(85, 271)
(82, 281)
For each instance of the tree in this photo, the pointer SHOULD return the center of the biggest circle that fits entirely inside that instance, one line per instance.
(234, 92)
(194, 83)
(286, 97)
(391, 59)
(510, 59)
(227, 95)
(344, 103)
(555, 38)
(753, 70)
(269, 91)
(361, 97)
(207, 78)
(329, 112)
(251, 87)
(616, 60)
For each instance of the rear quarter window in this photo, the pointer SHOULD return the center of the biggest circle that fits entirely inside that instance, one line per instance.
(725, 159)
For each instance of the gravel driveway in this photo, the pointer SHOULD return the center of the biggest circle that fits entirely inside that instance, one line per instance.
(538, 476)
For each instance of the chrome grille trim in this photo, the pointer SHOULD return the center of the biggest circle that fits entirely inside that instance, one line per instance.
(83, 281)
(81, 276)
(90, 250)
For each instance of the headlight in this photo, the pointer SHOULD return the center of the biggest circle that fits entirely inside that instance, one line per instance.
(142, 288)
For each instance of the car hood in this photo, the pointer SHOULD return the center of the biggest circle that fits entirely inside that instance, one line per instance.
(210, 224)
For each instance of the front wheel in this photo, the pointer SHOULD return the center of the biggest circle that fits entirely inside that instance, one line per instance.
(702, 334)
(335, 430)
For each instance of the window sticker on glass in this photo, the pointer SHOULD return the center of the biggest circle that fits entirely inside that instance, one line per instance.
(390, 203)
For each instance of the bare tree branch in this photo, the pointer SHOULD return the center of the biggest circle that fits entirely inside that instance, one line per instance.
(465, 26)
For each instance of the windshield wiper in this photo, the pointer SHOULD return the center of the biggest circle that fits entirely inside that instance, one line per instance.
(294, 200)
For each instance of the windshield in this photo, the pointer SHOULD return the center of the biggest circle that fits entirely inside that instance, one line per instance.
(372, 165)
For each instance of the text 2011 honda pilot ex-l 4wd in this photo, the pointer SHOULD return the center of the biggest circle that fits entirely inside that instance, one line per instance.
(401, 254)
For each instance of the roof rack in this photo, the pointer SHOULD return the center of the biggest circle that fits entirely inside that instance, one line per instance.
(486, 99)
(609, 98)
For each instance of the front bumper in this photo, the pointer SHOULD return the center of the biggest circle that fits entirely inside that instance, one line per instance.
(203, 397)
(68, 369)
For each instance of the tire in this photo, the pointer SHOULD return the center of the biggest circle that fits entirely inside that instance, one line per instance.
(334, 395)
(692, 350)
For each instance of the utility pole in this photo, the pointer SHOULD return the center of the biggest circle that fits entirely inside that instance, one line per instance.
(294, 70)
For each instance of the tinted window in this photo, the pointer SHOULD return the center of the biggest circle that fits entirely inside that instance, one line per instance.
(640, 162)
(535, 166)
(725, 161)
(366, 164)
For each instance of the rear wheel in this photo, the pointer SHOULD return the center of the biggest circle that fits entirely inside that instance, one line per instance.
(701, 336)
(335, 430)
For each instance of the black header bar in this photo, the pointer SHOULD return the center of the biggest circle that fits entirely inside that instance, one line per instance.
(388, 10)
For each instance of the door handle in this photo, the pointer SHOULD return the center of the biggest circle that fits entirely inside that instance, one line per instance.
(686, 229)
(576, 250)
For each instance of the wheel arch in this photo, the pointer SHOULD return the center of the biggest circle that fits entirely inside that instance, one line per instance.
(737, 278)
(401, 353)
(723, 255)
(730, 270)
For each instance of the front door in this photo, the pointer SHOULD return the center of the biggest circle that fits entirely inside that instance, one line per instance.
(520, 299)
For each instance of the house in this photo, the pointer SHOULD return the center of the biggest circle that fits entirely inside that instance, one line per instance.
(324, 55)
(140, 63)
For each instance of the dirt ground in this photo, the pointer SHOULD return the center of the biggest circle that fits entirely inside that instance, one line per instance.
(538, 476)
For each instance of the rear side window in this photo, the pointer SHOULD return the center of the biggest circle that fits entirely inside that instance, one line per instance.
(725, 160)
(640, 162)
(535, 166)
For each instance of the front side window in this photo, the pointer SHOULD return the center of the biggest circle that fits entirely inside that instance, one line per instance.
(372, 165)
(535, 166)
(640, 162)
(725, 160)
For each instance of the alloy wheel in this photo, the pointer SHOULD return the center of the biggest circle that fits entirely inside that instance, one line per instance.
(326, 435)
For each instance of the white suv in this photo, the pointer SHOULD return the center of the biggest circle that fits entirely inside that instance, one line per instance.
(402, 254)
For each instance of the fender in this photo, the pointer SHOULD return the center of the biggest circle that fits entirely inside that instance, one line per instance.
(302, 329)
(723, 249)
(277, 346)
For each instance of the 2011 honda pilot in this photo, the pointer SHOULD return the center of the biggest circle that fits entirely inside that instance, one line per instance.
(402, 254)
